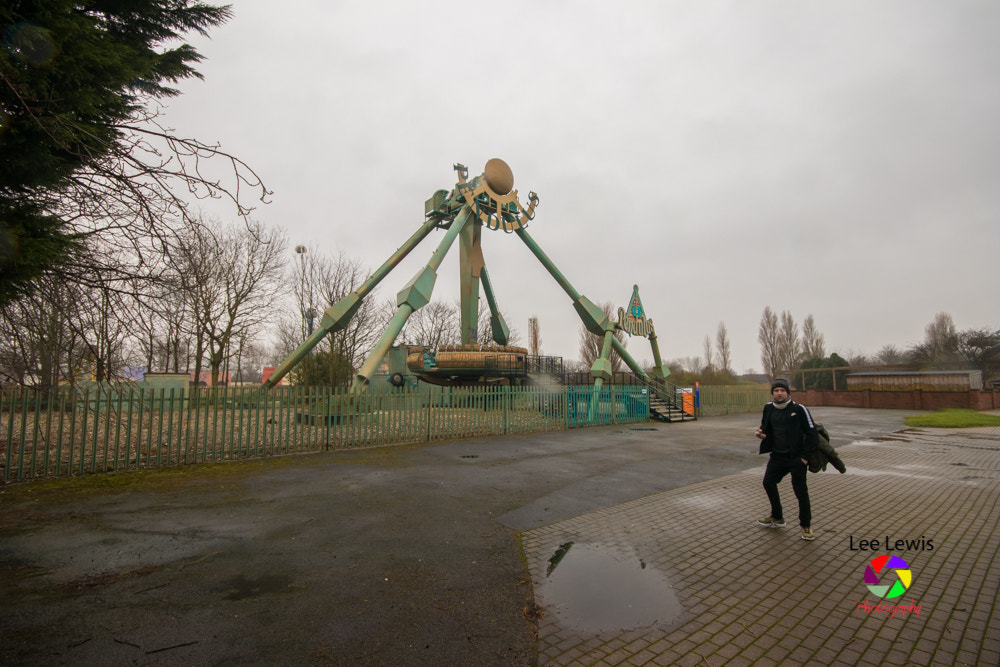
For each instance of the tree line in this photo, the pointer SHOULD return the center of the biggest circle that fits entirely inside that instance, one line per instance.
(228, 299)
(784, 350)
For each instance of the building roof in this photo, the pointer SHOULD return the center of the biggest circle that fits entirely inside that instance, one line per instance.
(911, 373)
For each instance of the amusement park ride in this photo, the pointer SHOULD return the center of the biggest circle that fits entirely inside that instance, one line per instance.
(489, 201)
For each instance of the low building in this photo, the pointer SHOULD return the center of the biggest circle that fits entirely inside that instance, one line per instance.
(960, 380)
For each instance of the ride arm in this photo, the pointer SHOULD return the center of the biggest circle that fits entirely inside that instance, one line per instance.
(501, 332)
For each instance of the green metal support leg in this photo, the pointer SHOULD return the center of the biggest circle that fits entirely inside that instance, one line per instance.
(601, 372)
(385, 341)
(660, 371)
(501, 332)
(470, 265)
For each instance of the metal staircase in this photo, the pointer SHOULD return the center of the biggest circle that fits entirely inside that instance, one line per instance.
(665, 403)
(545, 372)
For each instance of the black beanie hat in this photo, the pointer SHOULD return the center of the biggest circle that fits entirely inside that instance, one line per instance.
(780, 382)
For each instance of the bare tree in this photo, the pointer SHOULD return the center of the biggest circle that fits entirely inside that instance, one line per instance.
(331, 278)
(790, 347)
(39, 347)
(940, 346)
(103, 327)
(813, 344)
(64, 332)
(439, 323)
(767, 336)
(709, 356)
(724, 349)
(173, 340)
(856, 358)
(685, 366)
(889, 355)
(940, 335)
(591, 344)
(534, 336)
(434, 325)
(251, 357)
(485, 329)
(230, 278)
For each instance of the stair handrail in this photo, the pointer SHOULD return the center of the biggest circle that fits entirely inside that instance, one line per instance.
(667, 391)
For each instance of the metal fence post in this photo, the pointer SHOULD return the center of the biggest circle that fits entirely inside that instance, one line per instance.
(429, 399)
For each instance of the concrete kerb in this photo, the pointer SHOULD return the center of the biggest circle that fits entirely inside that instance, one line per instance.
(410, 555)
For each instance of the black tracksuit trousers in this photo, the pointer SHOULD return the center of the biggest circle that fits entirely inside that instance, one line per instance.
(778, 466)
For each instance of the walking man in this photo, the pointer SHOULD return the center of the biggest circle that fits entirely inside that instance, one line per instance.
(788, 432)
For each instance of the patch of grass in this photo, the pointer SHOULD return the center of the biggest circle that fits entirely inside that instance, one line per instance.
(953, 418)
(64, 489)
(171, 478)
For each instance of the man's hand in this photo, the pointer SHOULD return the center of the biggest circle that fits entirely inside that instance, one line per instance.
(805, 462)
(760, 434)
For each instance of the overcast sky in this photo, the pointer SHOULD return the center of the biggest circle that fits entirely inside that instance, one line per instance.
(839, 159)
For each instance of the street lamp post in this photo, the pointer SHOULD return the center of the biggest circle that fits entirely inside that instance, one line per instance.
(301, 251)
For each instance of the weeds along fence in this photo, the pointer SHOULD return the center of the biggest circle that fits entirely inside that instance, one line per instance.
(108, 427)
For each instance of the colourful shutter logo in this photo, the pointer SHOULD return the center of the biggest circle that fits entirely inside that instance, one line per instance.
(878, 586)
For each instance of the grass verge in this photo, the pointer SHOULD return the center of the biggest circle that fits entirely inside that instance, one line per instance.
(953, 418)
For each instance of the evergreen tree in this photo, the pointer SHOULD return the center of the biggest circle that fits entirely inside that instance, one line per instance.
(981, 349)
(82, 154)
(826, 380)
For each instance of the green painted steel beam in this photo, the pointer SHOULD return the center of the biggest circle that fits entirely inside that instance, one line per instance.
(501, 333)
(660, 371)
(601, 372)
(382, 346)
(470, 264)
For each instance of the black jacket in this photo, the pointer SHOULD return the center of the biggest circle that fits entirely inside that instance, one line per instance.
(794, 430)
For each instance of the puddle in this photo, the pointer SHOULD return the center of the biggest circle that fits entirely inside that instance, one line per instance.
(865, 443)
(605, 589)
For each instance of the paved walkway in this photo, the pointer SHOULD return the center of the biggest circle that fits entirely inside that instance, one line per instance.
(751, 595)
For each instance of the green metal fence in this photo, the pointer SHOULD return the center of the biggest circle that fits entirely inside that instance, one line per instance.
(102, 428)
(615, 404)
(718, 400)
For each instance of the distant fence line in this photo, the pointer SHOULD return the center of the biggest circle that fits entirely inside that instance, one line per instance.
(721, 399)
(107, 427)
